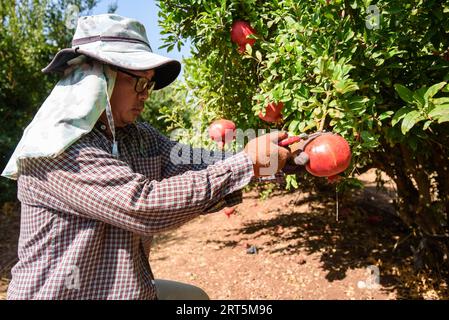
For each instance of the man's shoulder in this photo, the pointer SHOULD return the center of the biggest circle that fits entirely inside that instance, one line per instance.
(148, 129)
(150, 134)
(93, 140)
(96, 142)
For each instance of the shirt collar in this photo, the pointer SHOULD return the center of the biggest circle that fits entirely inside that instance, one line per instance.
(122, 131)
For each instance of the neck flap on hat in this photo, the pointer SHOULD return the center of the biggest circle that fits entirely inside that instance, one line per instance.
(70, 111)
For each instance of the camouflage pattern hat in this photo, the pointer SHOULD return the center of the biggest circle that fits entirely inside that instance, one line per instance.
(117, 41)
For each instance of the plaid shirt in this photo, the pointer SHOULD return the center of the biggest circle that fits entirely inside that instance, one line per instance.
(87, 218)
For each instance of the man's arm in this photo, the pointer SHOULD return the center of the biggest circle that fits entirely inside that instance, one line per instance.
(96, 185)
(178, 158)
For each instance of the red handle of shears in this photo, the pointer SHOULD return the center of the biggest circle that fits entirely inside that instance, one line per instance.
(288, 141)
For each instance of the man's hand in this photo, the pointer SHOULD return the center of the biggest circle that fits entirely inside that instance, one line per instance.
(265, 153)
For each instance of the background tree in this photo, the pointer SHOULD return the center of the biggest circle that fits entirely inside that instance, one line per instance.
(31, 32)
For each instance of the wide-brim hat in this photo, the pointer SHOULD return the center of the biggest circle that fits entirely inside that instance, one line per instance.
(117, 41)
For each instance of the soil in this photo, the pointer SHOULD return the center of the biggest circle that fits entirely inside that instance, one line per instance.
(288, 246)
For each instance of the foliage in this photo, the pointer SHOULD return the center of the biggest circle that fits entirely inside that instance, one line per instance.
(166, 110)
(31, 32)
(378, 80)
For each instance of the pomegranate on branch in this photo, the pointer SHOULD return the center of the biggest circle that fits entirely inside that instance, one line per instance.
(240, 32)
(273, 112)
(323, 154)
(222, 132)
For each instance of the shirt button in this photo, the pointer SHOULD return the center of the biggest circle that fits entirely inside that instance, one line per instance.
(103, 127)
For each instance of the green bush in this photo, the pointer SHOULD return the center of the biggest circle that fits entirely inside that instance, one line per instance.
(31, 32)
(378, 80)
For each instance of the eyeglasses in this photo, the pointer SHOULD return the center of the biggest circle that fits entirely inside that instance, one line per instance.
(142, 83)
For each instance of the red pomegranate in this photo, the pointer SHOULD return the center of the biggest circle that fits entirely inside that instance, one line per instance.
(229, 211)
(273, 112)
(329, 155)
(240, 31)
(222, 131)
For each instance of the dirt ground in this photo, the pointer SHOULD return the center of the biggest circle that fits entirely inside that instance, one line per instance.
(289, 246)
(9, 236)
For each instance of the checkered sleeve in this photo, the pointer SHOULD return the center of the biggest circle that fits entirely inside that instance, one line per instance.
(230, 200)
(94, 184)
(179, 158)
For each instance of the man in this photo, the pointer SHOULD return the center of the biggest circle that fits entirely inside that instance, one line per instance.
(95, 186)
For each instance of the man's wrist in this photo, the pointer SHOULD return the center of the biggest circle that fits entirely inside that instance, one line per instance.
(242, 169)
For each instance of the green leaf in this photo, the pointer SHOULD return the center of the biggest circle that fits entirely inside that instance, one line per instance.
(442, 100)
(386, 115)
(433, 90)
(404, 93)
(349, 35)
(418, 97)
(293, 126)
(400, 114)
(410, 120)
(249, 49)
(427, 124)
(445, 89)
(393, 52)
(440, 113)
(291, 182)
(258, 55)
(346, 86)
(317, 90)
(369, 140)
(289, 20)
(358, 104)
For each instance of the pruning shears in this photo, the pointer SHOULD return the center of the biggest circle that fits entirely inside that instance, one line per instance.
(299, 143)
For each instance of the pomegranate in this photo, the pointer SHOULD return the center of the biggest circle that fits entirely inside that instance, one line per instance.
(273, 112)
(228, 211)
(240, 31)
(222, 132)
(329, 155)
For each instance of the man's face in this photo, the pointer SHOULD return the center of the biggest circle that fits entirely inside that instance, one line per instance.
(126, 103)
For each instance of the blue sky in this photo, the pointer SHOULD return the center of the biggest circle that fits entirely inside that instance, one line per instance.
(146, 12)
